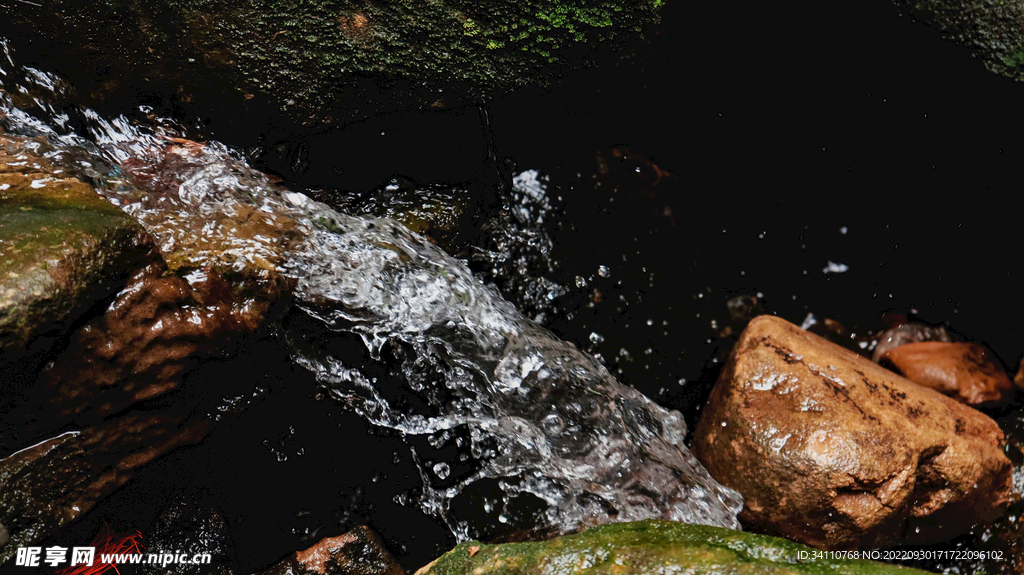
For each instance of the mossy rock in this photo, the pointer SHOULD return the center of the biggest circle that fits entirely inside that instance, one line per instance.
(323, 62)
(991, 29)
(650, 546)
(63, 248)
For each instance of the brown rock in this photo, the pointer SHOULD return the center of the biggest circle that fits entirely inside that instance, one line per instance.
(830, 449)
(963, 371)
(904, 333)
(56, 481)
(358, 552)
(112, 376)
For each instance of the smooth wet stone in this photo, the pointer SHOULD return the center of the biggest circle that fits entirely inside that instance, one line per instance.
(830, 449)
(56, 481)
(963, 371)
(358, 552)
(63, 248)
(649, 547)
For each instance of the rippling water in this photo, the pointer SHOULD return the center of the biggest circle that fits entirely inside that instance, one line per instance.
(520, 406)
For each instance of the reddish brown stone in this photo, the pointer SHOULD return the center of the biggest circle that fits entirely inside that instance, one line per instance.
(830, 449)
(156, 329)
(358, 552)
(963, 371)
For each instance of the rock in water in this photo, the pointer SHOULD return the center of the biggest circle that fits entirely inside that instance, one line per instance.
(829, 449)
(649, 547)
(358, 552)
(963, 371)
(62, 249)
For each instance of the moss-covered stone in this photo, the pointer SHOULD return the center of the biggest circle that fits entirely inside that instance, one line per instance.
(650, 547)
(989, 28)
(319, 61)
(62, 246)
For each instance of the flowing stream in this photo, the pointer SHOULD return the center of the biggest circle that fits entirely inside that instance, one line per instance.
(513, 403)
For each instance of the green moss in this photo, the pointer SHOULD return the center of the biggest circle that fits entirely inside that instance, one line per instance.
(648, 547)
(1014, 59)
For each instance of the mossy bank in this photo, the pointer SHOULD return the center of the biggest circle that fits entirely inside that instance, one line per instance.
(316, 62)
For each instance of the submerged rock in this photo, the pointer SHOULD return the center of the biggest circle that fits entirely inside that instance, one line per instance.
(188, 526)
(963, 371)
(58, 480)
(649, 547)
(358, 552)
(326, 62)
(829, 449)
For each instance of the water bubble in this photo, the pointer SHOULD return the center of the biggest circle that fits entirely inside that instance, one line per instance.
(553, 424)
(604, 271)
(441, 470)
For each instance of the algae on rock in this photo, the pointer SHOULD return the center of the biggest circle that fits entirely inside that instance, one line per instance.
(991, 29)
(650, 546)
(316, 62)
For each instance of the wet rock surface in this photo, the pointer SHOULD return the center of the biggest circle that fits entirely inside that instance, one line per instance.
(831, 450)
(907, 332)
(358, 552)
(54, 482)
(964, 371)
(62, 249)
(324, 63)
(190, 526)
(101, 326)
(647, 547)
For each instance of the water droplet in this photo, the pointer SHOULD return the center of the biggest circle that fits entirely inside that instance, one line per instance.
(604, 271)
(553, 424)
(442, 470)
(580, 282)
(596, 338)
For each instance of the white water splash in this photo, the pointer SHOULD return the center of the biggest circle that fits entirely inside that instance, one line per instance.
(529, 411)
